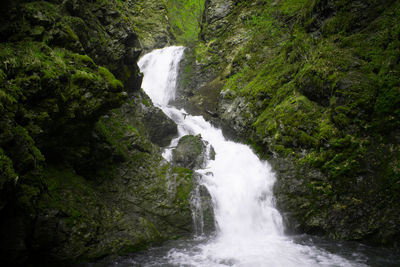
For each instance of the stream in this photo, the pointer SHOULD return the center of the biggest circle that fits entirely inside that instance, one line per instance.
(249, 229)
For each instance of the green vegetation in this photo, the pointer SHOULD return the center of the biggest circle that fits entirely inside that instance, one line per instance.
(116, 85)
(184, 189)
(185, 18)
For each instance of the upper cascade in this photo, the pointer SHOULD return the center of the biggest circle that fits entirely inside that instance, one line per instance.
(160, 69)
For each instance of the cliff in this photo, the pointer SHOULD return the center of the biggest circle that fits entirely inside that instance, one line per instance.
(313, 86)
(80, 178)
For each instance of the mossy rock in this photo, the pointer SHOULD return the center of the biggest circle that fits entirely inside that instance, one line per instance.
(313, 87)
(63, 66)
(190, 152)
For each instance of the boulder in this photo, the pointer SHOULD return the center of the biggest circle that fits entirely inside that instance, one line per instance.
(161, 129)
(190, 152)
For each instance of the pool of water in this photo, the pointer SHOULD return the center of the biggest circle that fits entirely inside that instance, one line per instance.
(165, 255)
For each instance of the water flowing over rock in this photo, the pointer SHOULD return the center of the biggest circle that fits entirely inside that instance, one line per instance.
(249, 229)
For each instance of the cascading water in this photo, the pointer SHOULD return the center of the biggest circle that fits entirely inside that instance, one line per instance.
(249, 228)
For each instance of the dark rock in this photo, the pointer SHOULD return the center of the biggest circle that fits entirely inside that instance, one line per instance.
(203, 210)
(161, 129)
(208, 211)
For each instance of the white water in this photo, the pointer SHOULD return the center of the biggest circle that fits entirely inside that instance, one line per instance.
(249, 228)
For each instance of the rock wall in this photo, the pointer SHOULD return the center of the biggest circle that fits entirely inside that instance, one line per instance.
(166, 22)
(313, 86)
(79, 177)
(150, 21)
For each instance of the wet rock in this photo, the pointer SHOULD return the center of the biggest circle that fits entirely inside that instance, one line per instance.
(190, 152)
(161, 129)
(208, 211)
(235, 113)
(202, 209)
(152, 15)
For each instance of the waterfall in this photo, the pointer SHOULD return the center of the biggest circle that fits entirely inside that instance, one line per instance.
(160, 70)
(249, 227)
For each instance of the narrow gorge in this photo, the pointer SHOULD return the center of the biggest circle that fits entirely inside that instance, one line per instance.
(199, 133)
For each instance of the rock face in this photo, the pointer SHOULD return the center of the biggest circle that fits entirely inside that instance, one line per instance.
(79, 178)
(208, 63)
(151, 22)
(160, 128)
(203, 210)
(132, 199)
(167, 22)
(218, 10)
(313, 86)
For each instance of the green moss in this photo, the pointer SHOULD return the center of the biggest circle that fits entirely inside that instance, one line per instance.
(127, 73)
(29, 157)
(72, 35)
(327, 130)
(298, 114)
(7, 170)
(202, 52)
(69, 193)
(51, 96)
(48, 87)
(7, 101)
(195, 142)
(146, 102)
(151, 232)
(292, 7)
(85, 59)
(387, 108)
(113, 131)
(80, 79)
(185, 18)
(116, 85)
(3, 77)
(321, 189)
(282, 150)
(43, 11)
(27, 195)
(184, 187)
(37, 30)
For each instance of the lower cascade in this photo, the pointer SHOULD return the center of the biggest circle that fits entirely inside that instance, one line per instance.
(249, 229)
